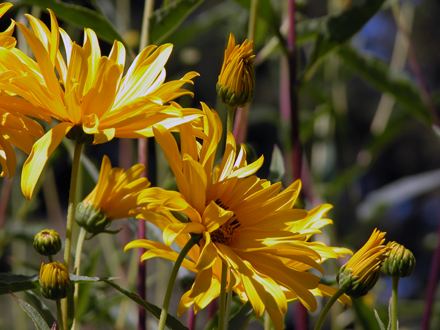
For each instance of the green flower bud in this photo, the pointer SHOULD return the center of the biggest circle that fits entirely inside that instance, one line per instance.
(355, 286)
(47, 242)
(54, 280)
(91, 218)
(400, 261)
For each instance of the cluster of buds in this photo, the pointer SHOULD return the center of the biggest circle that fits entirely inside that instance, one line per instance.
(362, 271)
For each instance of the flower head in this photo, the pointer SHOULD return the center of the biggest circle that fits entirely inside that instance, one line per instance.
(47, 242)
(245, 222)
(54, 280)
(87, 92)
(400, 261)
(361, 272)
(114, 197)
(236, 82)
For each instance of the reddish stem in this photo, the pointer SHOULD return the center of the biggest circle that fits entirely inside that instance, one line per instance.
(142, 234)
(191, 319)
(432, 284)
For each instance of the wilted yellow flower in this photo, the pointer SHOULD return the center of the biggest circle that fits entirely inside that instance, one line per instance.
(87, 93)
(245, 222)
(361, 272)
(54, 280)
(114, 197)
(400, 261)
(236, 82)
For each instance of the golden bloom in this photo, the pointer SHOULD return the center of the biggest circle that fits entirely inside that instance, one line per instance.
(87, 93)
(236, 82)
(361, 272)
(6, 38)
(400, 261)
(114, 197)
(54, 280)
(245, 222)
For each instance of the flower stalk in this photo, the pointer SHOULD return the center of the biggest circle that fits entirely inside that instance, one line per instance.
(170, 287)
(70, 216)
(79, 247)
(223, 299)
(327, 307)
(394, 303)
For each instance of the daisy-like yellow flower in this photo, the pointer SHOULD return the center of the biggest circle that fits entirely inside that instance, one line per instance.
(87, 93)
(361, 272)
(245, 222)
(115, 196)
(6, 38)
(236, 82)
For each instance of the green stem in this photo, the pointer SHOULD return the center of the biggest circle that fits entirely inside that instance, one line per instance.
(59, 314)
(169, 292)
(230, 122)
(50, 258)
(394, 303)
(145, 32)
(327, 308)
(223, 299)
(79, 247)
(267, 321)
(252, 20)
(70, 215)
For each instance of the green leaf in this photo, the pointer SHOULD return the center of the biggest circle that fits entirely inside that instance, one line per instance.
(241, 319)
(379, 321)
(167, 19)
(394, 82)
(339, 28)
(276, 169)
(171, 321)
(81, 17)
(40, 307)
(15, 282)
(39, 322)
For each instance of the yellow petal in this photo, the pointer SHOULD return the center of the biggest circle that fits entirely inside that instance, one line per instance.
(41, 151)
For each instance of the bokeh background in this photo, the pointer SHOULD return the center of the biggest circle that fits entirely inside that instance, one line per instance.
(368, 148)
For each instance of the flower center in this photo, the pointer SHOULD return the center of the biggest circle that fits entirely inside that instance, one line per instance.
(225, 234)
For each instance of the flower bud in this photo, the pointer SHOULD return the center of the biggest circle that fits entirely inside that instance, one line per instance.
(400, 261)
(354, 286)
(47, 242)
(361, 272)
(236, 82)
(54, 280)
(91, 218)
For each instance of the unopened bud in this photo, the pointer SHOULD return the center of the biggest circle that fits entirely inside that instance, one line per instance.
(47, 242)
(400, 261)
(54, 280)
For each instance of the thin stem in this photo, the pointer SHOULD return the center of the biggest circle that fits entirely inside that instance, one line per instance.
(228, 304)
(59, 314)
(142, 159)
(166, 302)
(327, 308)
(267, 321)
(432, 284)
(222, 307)
(394, 303)
(230, 121)
(70, 215)
(79, 247)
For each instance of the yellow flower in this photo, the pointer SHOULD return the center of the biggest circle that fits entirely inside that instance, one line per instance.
(87, 93)
(114, 197)
(6, 38)
(361, 272)
(236, 82)
(245, 222)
